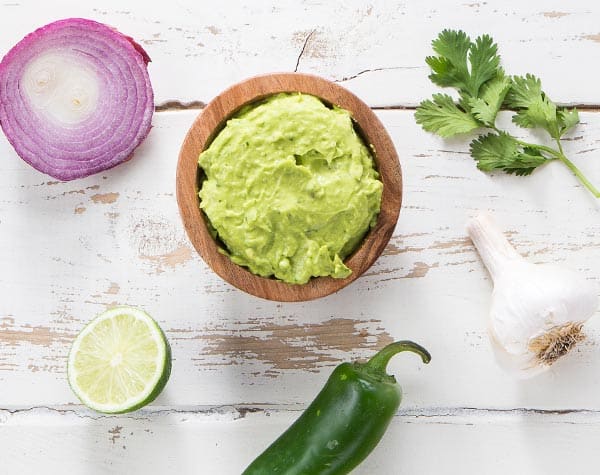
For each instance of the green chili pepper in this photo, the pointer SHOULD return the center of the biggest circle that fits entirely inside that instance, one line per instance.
(343, 424)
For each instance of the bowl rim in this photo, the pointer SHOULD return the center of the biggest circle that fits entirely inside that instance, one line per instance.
(213, 118)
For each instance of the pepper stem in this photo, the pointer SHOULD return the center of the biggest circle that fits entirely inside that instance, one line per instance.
(379, 362)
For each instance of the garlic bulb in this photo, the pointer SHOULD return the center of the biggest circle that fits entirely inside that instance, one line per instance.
(537, 310)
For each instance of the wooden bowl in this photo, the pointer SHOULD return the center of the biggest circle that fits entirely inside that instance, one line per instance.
(210, 122)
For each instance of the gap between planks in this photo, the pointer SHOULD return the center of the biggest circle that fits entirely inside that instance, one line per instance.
(173, 106)
(446, 415)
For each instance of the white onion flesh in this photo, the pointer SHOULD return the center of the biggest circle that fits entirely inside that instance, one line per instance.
(62, 90)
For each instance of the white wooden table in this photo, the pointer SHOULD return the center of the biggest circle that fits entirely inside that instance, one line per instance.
(243, 367)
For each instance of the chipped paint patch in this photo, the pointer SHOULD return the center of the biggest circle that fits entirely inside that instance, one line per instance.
(293, 346)
(299, 37)
(80, 209)
(555, 14)
(154, 236)
(170, 259)
(160, 242)
(7, 366)
(453, 246)
(105, 198)
(457, 245)
(420, 269)
(47, 368)
(14, 335)
(98, 301)
(315, 44)
(595, 38)
(113, 289)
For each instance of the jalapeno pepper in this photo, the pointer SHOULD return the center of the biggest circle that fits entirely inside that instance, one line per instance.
(343, 424)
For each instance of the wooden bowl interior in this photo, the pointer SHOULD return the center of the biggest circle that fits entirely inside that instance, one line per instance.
(189, 179)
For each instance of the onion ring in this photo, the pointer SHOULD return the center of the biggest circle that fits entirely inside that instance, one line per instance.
(75, 98)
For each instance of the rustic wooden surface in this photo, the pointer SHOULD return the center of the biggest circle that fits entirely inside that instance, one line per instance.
(244, 367)
(210, 121)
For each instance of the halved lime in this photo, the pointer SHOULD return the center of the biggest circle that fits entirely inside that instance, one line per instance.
(120, 361)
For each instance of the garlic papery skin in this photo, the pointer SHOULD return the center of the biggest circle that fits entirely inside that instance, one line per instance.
(537, 310)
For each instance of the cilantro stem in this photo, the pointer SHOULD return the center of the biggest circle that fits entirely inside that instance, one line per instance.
(544, 148)
(562, 157)
(549, 150)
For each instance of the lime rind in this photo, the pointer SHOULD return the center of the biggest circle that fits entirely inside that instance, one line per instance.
(89, 365)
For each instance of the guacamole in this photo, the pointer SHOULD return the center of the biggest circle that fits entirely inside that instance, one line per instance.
(290, 188)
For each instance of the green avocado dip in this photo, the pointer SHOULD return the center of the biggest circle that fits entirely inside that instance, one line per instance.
(290, 188)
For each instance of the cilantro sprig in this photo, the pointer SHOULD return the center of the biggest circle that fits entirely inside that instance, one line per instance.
(473, 69)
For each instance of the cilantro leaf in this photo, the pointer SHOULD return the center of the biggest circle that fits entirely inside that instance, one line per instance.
(485, 62)
(567, 119)
(450, 67)
(503, 152)
(443, 117)
(534, 108)
(525, 91)
(485, 108)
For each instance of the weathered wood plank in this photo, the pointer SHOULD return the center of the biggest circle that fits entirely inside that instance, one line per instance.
(377, 49)
(224, 441)
(70, 250)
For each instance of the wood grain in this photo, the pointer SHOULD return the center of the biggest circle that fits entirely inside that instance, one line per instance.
(212, 119)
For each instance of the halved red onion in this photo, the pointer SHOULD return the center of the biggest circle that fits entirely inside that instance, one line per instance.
(75, 98)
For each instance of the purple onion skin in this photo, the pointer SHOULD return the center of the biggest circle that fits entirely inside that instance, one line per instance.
(111, 133)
